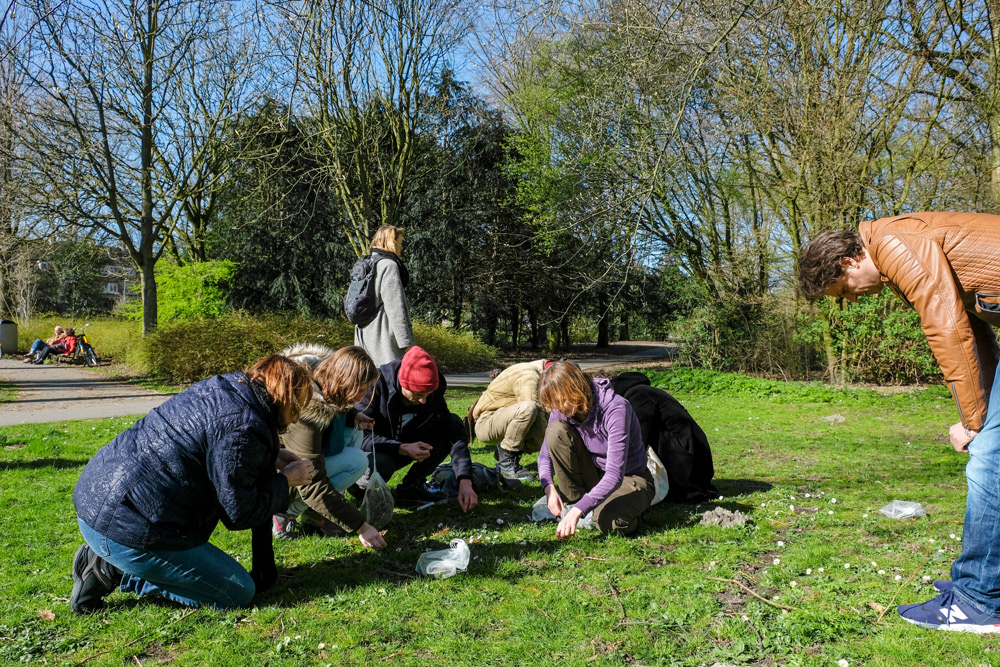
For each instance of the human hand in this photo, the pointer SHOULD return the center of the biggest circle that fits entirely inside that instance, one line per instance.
(370, 537)
(363, 422)
(567, 526)
(961, 437)
(298, 472)
(418, 451)
(467, 498)
(285, 456)
(554, 503)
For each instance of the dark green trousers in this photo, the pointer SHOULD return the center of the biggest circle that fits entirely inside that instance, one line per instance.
(576, 474)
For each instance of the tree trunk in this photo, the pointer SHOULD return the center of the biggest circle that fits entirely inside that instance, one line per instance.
(533, 323)
(623, 328)
(603, 333)
(148, 262)
(515, 327)
(993, 101)
(564, 332)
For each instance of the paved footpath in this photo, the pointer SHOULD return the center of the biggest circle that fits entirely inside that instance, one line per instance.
(63, 392)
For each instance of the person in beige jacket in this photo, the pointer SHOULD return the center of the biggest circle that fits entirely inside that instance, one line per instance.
(509, 415)
(328, 434)
(947, 267)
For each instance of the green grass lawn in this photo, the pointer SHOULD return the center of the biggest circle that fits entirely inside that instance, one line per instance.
(816, 568)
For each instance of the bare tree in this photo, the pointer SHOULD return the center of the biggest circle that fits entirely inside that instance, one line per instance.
(362, 70)
(136, 91)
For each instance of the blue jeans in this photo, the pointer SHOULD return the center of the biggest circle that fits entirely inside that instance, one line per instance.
(976, 572)
(204, 575)
(343, 469)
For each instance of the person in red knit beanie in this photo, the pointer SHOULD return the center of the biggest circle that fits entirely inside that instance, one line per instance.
(415, 428)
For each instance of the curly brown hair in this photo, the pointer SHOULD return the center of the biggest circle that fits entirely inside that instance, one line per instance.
(819, 261)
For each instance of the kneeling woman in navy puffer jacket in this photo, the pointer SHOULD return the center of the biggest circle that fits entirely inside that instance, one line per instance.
(148, 501)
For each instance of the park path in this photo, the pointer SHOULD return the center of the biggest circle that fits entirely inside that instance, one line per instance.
(63, 392)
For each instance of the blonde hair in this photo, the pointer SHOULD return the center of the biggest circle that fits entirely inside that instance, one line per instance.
(564, 387)
(286, 383)
(389, 238)
(344, 374)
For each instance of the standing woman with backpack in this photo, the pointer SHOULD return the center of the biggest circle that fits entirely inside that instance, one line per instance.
(389, 334)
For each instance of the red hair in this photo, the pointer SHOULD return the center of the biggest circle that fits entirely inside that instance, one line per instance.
(287, 383)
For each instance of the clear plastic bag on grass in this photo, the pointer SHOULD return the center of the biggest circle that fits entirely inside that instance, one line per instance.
(377, 505)
(903, 509)
(446, 562)
(586, 521)
(540, 511)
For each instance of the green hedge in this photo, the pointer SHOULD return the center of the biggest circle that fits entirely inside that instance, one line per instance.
(184, 352)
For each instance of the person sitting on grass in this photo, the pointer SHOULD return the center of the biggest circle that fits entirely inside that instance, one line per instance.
(148, 501)
(39, 344)
(329, 434)
(65, 345)
(415, 428)
(509, 416)
(593, 457)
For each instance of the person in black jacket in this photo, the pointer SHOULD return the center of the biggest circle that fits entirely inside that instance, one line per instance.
(673, 435)
(148, 501)
(414, 427)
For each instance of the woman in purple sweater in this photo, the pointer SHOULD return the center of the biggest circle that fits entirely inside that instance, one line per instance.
(593, 452)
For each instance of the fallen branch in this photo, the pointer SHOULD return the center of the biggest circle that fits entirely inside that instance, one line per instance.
(751, 592)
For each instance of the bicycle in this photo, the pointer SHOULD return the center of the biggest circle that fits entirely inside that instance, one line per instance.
(82, 348)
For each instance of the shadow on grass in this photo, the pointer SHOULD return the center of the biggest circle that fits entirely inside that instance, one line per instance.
(42, 463)
(739, 487)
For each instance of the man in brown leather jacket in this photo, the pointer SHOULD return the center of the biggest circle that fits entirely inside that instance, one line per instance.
(947, 267)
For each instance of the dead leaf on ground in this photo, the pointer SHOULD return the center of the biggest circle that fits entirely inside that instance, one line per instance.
(46, 615)
(877, 607)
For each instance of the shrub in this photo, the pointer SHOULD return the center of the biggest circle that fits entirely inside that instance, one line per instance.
(879, 339)
(187, 292)
(751, 335)
(189, 351)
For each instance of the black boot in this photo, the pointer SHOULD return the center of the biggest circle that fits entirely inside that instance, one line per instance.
(510, 466)
(93, 578)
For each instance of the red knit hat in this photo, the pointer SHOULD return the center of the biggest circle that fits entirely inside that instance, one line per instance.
(418, 372)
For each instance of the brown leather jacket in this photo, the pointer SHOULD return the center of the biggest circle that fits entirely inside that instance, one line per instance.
(947, 267)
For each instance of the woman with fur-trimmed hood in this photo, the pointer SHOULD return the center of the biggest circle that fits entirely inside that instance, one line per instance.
(329, 434)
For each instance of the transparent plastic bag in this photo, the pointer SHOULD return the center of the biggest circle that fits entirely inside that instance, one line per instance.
(903, 509)
(446, 562)
(540, 511)
(377, 504)
(586, 521)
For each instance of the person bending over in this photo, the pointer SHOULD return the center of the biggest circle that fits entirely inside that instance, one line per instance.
(414, 427)
(944, 265)
(593, 457)
(509, 416)
(329, 434)
(148, 501)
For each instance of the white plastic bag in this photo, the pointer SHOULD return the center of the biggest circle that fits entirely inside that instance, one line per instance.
(446, 562)
(586, 521)
(661, 482)
(377, 504)
(903, 509)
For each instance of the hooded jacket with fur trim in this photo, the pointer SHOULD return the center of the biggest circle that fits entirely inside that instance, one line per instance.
(305, 438)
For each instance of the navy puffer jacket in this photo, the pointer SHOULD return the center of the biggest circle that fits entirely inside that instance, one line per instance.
(203, 456)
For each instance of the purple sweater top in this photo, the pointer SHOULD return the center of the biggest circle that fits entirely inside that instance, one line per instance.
(612, 436)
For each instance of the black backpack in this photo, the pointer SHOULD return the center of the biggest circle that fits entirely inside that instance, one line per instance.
(360, 302)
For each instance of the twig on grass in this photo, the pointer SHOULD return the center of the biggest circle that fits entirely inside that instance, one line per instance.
(902, 585)
(751, 592)
(614, 591)
(138, 639)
